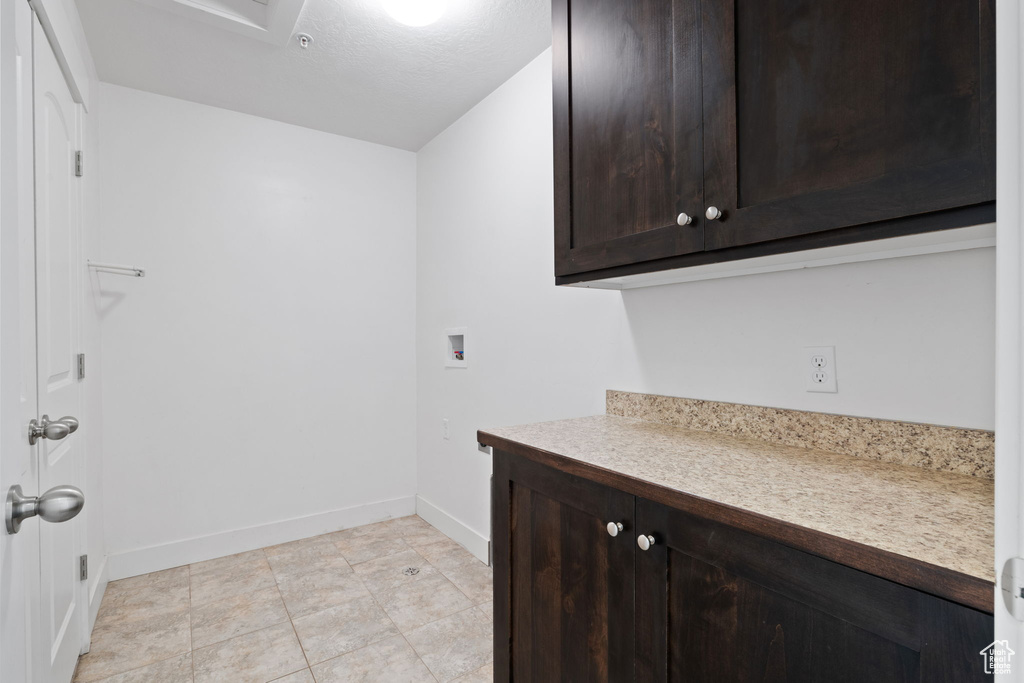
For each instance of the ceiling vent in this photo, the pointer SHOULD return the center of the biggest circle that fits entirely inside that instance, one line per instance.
(272, 21)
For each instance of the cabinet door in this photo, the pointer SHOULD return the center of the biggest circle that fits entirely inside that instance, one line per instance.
(719, 605)
(563, 587)
(627, 131)
(822, 115)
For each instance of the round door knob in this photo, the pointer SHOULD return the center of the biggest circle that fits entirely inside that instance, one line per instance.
(645, 541)
(713, 213)
(614, 528)
(684, 219)
(59, 504)
(55, 430)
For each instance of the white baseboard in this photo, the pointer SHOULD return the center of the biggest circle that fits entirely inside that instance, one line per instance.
(469, 539)
(178, 553)
(96, 590)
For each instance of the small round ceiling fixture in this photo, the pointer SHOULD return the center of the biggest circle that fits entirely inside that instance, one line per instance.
(305, 40)
(416, 12)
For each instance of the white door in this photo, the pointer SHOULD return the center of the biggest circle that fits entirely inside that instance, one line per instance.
(57, 333)
(19, 554)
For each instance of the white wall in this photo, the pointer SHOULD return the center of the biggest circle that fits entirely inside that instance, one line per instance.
(259, 382)
(913, 336)
(485, 262)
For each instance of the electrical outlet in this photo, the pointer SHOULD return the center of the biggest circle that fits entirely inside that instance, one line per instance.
(818, 367)
(446, 432)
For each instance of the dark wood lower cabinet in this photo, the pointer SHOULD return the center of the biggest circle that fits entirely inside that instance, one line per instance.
(718, 604)
(573, 596)
(706, 602)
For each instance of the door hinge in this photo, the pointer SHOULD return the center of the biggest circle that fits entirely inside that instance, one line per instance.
(79, 164)
(1012, 584)
(81, 366)
(83, 568)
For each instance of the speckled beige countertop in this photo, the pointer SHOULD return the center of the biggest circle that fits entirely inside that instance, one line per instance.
(940, 518)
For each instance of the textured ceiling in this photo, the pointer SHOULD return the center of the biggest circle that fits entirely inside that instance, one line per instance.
(365, 76)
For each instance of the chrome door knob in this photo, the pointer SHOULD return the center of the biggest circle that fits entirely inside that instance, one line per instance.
(645, 541)
(684, 219)
(59, 504)
(713, 213)
(614, 528)
(55, 430)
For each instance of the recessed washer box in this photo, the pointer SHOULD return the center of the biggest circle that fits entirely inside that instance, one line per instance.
(455, 348)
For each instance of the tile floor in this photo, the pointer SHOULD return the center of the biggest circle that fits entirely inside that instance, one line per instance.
(393, 602)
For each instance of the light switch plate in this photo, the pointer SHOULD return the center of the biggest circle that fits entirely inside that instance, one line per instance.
(819, 369)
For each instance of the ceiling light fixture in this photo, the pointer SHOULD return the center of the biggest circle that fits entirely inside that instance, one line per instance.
(415, 12)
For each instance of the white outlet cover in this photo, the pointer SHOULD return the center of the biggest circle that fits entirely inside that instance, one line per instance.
(818, 368)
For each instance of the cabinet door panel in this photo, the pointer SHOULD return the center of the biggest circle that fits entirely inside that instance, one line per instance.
(823, 115)
(628, 142)
(564, 609)
(725, 605)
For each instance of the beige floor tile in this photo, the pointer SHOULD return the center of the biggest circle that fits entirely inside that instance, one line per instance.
(387, 573)
(304, 676)
(167, 579)
(123, 605)
(416, 531)
(482, 675)
(416, 603)
(446, 554)
(244, 575)
(473, 578)
(375, 529)
(236, 616)
(176, 670)
(455, 645)
(388, 661)
(221, 563)
(356, 623)
(361, 547)
(301, 556)
(253, 658)
(118, 647)
(349, 594)
(319, 587)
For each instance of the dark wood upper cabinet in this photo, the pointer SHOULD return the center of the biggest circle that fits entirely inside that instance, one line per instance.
(805, 123)
(628, 156)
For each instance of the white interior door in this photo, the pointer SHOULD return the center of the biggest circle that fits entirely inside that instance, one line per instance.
(19, 554)
(57, 332)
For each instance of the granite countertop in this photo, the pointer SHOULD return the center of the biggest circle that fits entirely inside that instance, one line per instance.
(940, 518)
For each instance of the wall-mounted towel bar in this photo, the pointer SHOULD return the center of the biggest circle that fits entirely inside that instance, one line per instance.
(116, 269)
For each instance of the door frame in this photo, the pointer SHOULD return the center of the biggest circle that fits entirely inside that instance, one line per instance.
(1009, 366)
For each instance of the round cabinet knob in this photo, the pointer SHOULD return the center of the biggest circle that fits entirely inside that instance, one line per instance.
(713, 213)
(684, 219)
(645, 542)
(614, 528)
